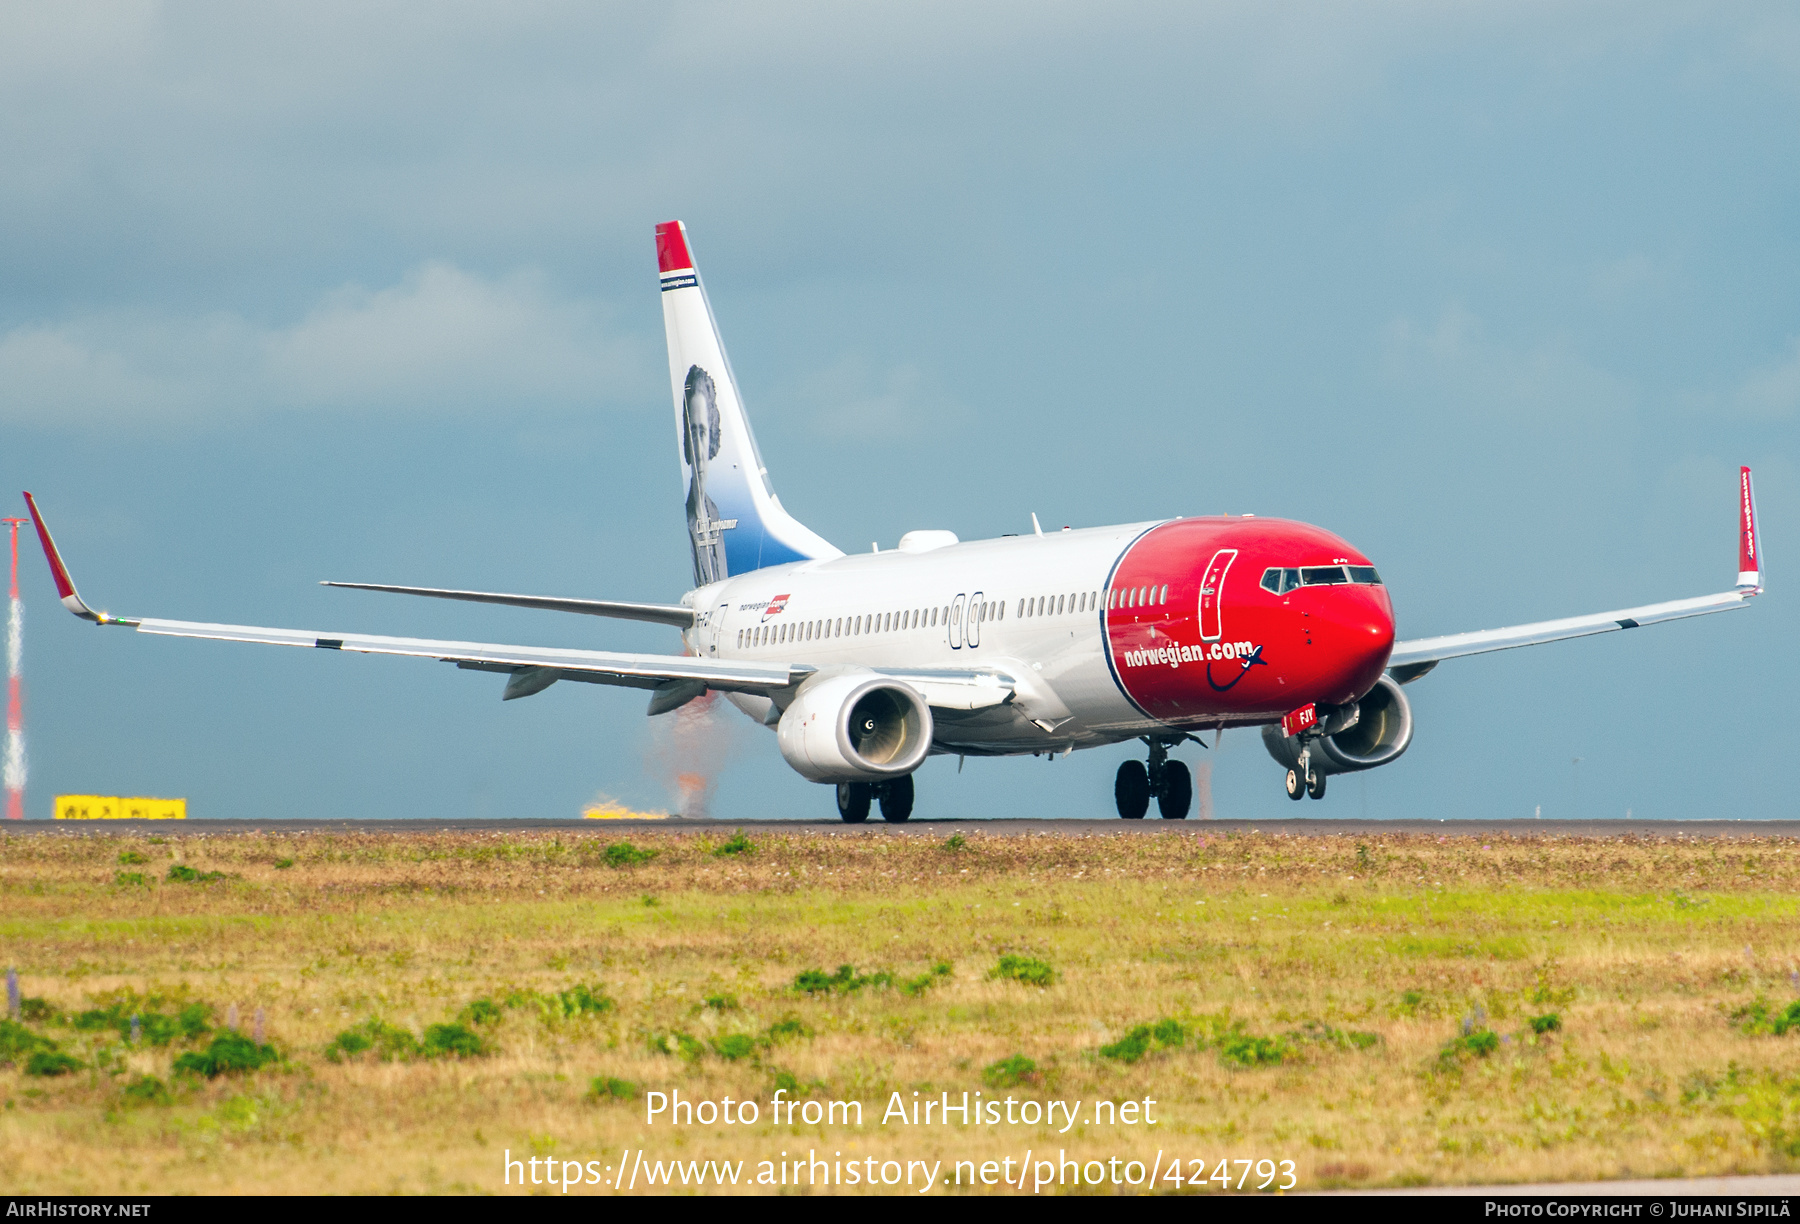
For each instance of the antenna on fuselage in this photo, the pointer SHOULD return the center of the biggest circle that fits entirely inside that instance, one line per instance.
(1035, 529)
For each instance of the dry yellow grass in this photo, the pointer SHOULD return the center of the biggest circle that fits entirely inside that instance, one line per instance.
(1644, 947)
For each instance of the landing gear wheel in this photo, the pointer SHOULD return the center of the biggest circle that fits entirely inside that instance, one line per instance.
(1176, 794)
(897, 799)
(1296, 786)
(853, 801)
(1131, 790)
(1316, 788)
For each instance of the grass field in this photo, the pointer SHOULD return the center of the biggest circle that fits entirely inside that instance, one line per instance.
(1369, 1010)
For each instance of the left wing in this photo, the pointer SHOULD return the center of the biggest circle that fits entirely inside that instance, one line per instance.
(675, 679)
(661, 614)
(533, 668)
(1413, 659)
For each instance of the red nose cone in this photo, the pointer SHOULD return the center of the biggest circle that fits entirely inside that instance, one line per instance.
(1358, 635)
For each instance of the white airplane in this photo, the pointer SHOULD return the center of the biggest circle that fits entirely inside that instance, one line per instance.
(866, 664)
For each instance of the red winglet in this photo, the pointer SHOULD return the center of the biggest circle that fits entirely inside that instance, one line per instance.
(65, 585)
(672, 248)
(1749, 544)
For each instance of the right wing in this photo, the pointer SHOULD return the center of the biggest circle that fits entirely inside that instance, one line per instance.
(1413, 659)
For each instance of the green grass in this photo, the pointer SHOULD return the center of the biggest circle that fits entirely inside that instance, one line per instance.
(181, 873)
(611, 1088)
(1389, 1011)
(737, 845)
(1026, 969)
(228, 1053)
(1009, 1072)
(624, 854)
(845, 981)
(52, 1063)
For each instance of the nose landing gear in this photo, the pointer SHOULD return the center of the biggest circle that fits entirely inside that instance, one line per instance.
(1168, 782)
(1304, 780)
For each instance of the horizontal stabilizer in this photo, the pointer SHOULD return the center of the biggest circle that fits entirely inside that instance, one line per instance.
(662, 614)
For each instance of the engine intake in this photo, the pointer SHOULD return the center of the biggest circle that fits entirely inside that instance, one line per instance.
(855, 727)
(1374, 731)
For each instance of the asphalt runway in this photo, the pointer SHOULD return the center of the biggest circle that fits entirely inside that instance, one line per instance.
(1723, 829)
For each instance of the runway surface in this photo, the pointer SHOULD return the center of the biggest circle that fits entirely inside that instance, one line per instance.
(932, 828)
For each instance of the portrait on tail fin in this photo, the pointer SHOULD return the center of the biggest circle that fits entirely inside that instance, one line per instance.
(699, 445)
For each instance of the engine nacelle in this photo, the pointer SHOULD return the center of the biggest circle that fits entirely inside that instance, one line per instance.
(855, 727)
(1374, 731)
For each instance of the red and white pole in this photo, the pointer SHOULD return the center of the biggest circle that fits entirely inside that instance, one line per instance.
(14, 766)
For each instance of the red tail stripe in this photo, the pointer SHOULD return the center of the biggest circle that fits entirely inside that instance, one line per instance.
(672, 248)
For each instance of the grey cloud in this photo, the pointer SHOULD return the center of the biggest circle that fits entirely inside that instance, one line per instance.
(441, 342)
(251, 146)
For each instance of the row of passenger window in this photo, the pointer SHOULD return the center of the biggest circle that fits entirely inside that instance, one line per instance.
(1057, 605)
(1138, 597)
(848, 626)
(1281, 581)
(780, 633)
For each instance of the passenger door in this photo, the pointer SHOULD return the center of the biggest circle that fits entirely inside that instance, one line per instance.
(956, 625)
(1212, 594)
(973, 634)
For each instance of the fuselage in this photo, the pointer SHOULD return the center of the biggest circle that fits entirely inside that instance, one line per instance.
(1105, 633)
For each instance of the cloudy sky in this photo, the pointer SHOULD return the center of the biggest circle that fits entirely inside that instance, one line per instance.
(1503, 293)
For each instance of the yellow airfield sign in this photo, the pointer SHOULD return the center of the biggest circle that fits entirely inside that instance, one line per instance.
(118, 807)
(613, 810)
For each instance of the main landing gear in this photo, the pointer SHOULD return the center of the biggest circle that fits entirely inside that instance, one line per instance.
(1168, 782)
(1304, 780)
(854, 799)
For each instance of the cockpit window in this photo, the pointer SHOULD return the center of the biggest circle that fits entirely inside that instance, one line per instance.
(1281, 581)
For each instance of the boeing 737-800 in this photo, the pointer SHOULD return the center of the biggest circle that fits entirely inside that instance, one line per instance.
(865, 664)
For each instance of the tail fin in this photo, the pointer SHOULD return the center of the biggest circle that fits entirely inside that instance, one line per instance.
(735, 521)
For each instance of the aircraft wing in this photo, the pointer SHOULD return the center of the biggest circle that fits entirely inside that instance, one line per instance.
(1413, 659)
(662, 614)
(532, 668)
(676, 679)
(595, 666)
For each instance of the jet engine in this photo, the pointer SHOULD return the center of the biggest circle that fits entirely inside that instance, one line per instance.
(1370, 732)
(855, 727)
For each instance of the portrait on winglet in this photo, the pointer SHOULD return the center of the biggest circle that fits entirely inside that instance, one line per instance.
(700, 443)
